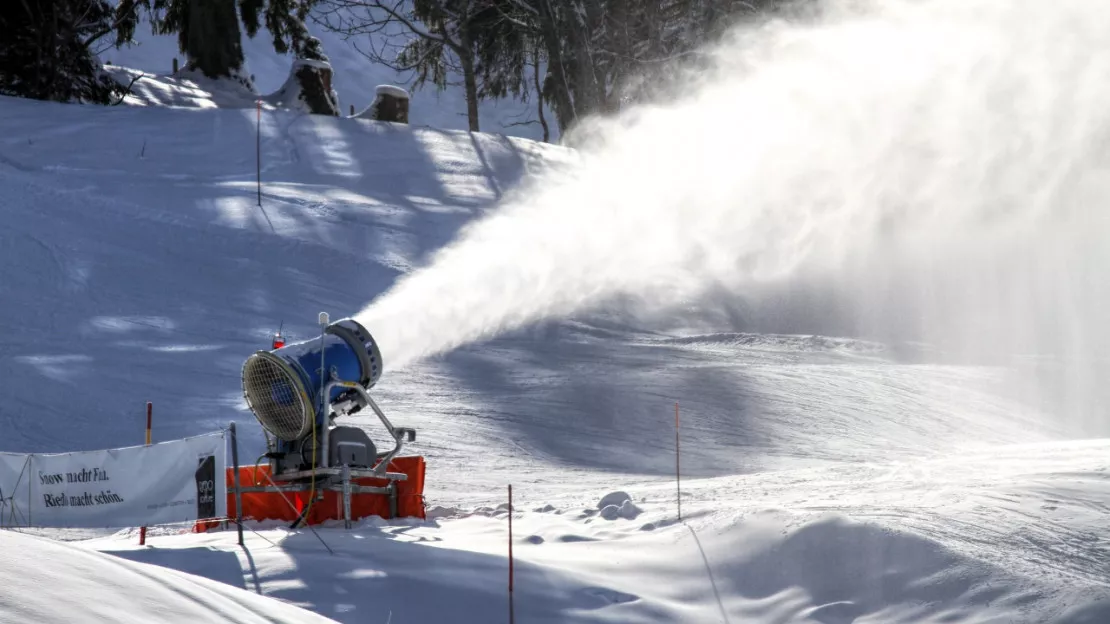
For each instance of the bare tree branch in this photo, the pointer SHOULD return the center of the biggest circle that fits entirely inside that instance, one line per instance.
(127, 89)
(107, 30)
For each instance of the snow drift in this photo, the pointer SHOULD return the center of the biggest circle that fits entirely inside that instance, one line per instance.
(48, 581)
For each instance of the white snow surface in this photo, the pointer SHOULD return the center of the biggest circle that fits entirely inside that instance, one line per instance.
(50, 581)
(825, 479)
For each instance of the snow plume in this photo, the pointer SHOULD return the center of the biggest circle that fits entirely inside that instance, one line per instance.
(930, 170)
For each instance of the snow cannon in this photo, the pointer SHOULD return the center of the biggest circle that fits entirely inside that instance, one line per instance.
(298, 389)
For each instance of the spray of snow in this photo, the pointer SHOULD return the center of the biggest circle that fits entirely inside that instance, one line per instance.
(928, 170)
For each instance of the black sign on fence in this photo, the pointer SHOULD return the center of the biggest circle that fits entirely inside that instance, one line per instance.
(206, 487)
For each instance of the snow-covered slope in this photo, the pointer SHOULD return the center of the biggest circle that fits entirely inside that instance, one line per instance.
(137, 265)
(825, 479)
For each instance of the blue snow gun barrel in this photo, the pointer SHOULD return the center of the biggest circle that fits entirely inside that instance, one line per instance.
(284, 386)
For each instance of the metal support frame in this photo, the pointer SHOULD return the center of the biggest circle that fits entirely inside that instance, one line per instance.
(340, 478)
(346, 496)
(336, 480)
(398, 434)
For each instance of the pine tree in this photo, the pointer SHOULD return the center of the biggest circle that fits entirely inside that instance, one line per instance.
(46, 50)
(209, 34)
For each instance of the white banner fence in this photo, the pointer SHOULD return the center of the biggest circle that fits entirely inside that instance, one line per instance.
(164, 483)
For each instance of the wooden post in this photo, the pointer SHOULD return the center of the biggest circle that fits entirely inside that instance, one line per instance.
(149, 414)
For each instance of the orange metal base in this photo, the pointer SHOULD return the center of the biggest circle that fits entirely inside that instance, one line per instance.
(261, 506)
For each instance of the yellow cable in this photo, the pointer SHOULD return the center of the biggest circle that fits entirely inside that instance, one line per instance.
(312, 479)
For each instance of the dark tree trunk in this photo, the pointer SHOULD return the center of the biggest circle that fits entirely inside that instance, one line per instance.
(465, 52)
(539, 93)
(211, 37)
(558, 85)
(471, 84)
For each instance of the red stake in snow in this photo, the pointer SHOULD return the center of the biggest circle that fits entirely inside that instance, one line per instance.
(149, 411)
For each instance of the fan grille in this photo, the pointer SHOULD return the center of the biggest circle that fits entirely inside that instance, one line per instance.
(275, 396)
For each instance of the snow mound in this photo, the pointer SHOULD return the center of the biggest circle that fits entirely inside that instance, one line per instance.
(185, 89)
(627, 510)
(613, 499)
(616, 505)
(49, 581)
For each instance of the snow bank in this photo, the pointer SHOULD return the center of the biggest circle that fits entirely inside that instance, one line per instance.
(46, 581)
(185, 89)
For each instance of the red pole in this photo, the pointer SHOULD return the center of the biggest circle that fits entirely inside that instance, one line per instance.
(512, 615)
(677, 465)
(149, 413)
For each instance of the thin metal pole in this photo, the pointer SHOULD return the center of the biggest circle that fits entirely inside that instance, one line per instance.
(346, 496)
(258, 152)
(677, 464)
(235, 476)
(512, 612)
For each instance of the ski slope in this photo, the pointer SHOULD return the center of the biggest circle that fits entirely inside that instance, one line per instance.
(825, 479)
